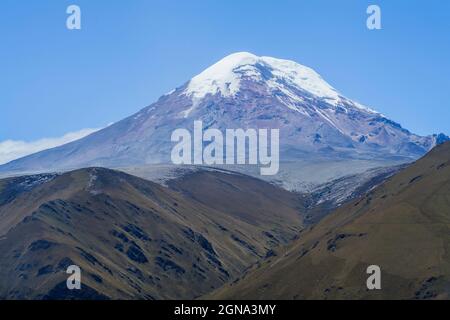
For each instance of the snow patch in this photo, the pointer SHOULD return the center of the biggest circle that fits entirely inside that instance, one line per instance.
(91, 183)
(36, 180)
(170, 92)
(187, 112)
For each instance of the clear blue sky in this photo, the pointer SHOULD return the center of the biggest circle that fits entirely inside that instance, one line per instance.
(128, 53)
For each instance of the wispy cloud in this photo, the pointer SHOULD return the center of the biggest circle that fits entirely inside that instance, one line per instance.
(13, 149)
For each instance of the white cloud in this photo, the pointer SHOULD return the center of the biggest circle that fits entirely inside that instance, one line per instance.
(11, 149)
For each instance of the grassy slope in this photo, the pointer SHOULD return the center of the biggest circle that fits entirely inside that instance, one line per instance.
(135, 239)
(402, 226)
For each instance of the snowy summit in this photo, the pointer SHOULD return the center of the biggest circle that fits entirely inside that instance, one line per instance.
(225, 77)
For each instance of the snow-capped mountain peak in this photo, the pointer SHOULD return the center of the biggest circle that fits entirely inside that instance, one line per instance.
(244, 91)
(225, 77)
(221, 77)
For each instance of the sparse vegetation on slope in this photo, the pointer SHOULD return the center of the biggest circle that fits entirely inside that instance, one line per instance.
(401, 226)
(135, 239)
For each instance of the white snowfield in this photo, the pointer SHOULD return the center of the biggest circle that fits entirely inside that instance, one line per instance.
(225, 76)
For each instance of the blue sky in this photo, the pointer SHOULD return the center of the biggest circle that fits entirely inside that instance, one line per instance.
(128, 53)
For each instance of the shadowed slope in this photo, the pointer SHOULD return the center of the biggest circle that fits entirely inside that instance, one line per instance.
(133, 238)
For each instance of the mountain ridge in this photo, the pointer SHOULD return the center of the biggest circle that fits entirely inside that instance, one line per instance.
(135, 239)
(243, 91)
(400, 226)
